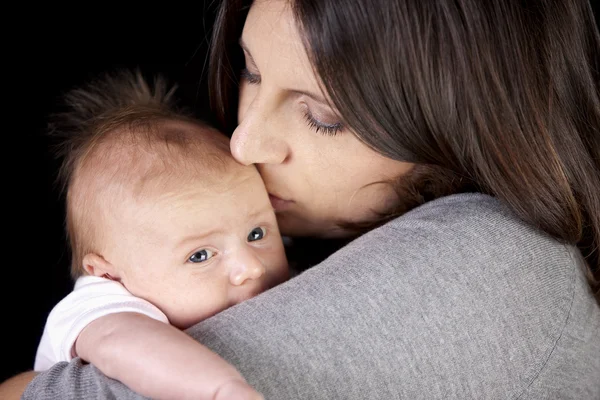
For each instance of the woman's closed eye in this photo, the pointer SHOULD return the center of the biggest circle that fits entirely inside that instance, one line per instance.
(322, 127)
(253, 79)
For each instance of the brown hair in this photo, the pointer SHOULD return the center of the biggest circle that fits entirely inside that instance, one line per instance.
(104, 121)
(502, 95)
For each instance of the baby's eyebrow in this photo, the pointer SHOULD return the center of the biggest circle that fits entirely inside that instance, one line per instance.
(256, 214)
(196, 238)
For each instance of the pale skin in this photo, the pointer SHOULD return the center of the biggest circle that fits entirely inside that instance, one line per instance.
(325, 178)
(177, 367)
(187, 248)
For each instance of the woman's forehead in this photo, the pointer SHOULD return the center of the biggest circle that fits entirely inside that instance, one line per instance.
(272, 41)
(270, 26)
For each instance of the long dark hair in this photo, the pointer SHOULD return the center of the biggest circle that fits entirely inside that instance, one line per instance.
(504, 95)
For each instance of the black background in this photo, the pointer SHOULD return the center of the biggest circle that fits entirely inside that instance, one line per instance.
(44, 53)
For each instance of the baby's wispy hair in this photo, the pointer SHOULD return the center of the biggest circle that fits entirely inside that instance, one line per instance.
(122, 99)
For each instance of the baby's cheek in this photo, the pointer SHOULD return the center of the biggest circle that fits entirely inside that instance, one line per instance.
(196, 304)
(184, 318)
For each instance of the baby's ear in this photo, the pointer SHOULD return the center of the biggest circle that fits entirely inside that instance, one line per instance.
(96, 265)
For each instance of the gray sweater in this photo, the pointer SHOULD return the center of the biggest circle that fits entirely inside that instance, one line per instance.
(457, 299)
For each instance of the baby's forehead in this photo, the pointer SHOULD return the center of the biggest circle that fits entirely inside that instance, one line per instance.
(142, 160)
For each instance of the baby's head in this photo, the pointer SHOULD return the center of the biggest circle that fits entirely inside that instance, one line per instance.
(156, 201)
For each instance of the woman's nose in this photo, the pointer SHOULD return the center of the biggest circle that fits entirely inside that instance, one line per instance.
(257, 140)
(248, 268)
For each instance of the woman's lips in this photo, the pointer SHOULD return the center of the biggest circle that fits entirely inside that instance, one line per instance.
(280, 204)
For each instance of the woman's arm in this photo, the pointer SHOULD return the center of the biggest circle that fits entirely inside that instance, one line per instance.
(457, 299)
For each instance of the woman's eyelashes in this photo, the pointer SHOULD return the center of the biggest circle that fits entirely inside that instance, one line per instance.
(321, 127)
(253, 79)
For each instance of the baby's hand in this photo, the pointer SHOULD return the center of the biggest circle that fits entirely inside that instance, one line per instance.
(237, 390)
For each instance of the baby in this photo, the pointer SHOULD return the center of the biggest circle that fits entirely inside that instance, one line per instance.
(166, 229)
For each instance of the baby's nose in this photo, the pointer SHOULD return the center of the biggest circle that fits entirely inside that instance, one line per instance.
(248, 269)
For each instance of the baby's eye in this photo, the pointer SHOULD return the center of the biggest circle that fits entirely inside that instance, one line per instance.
(256, 234)
(200, 256)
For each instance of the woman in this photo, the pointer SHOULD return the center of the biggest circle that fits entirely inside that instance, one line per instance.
(457, 145)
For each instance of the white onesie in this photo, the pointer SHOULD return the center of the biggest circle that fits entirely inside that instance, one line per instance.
(91, 298)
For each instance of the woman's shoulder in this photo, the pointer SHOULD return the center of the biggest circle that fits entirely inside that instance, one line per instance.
(473, 226)
(469, 256)
(474, 237)
(474, 214)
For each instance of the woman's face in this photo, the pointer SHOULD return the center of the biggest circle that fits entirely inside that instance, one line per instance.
(316, 170)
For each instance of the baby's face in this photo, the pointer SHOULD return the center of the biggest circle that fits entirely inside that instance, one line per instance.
(201, 248)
